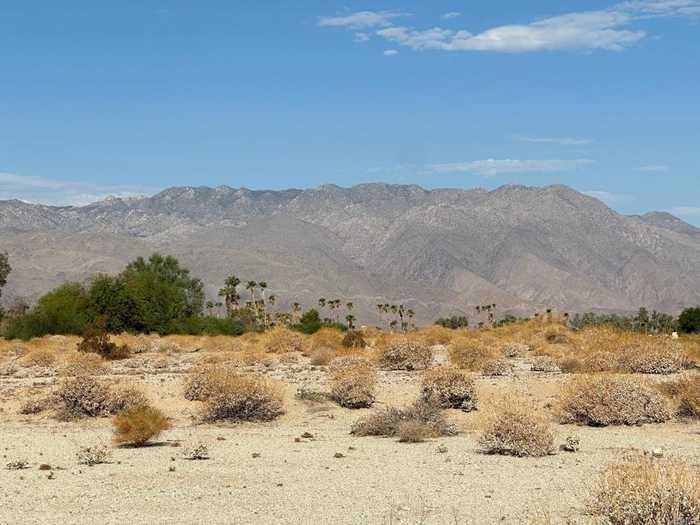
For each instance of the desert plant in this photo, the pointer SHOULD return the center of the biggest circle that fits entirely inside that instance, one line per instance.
(405, 355)
(354, 388)
(281, 339)
(544, 363)
(556, 335)
(321, 356)
(196, 451)
(96, 340)
(514, 349)
(515, 429)
(127, 398)
(601, 400)
(82, 396)
(471, 354)
(36, 405)
(40, 357)
(91, 456)
(685, 393)
(138, 425)
(449, 388)
(244, 398)
(659, 356)
(354, 339)
(412, 431)
(496, 367)
(647, 491)
(386, 422)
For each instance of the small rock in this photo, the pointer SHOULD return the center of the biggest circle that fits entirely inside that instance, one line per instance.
(442, 449)
(44, 466)
(256, 454)
(338, 455)
(657, 453)
(572, 444)
(307, 435)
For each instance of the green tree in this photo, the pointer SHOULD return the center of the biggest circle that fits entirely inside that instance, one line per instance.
(689, 321)
(310, 322)
(5, 270)
(230, 294)
(109, 299)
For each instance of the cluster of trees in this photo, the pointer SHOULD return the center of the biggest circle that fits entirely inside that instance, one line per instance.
(4, 272)
(397, 316)
(645, 322)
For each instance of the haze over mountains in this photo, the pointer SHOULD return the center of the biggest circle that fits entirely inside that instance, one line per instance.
(440, 252)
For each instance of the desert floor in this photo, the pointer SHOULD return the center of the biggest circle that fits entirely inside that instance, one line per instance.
(267, 473)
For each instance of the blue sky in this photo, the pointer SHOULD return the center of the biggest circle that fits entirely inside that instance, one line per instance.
(131, 97)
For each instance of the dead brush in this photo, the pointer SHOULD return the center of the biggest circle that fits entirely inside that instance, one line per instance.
(513, 349)
(405, 355)
(513, 428)
(602, 400)
(40, 357)
(138, 425)
(653, 356)
(449, 388)
(82, 396)
(77, 364)
(244, 398)
(354, 339)
(387, 421)
(96, 340)
(471, 355)
(126, 398)
(322, 356)
(543, 363)
(647, 491)
(435, 335)
(280, 340)
(324, 338)
(354, 387)
(497, 367)
(685, 394)
(204, 381)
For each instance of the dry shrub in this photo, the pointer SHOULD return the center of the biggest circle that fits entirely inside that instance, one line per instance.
(516, 429)
(405, 355)
(556, 334)
(126, 398)
(84, 364)
(570, 365)
(647, 491)
(544, 363)
(514, 349)
(280, 340)
(412, 431)
(600, 362)
(244, 398)
(288, 358)
(138, 425)
(325, 337)
(40, 357)
(601, 400)
(354, 339)
(435, 335)
(343, 364)
(471, 354)
(653, 356)
(354, 387)
(36, 405)
(386, 422)
(449, 388)
(82, 396)
(91, 456)
(497, 367)
(204, 381)
(322, 356)
(96, 341)
(685, 393)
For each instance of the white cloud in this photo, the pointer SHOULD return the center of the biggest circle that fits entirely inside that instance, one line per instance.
(390, 52)
(608, 197)
(451, 15)
(686, 211)
(492, 167)
(610, 29)
(361, 19)
(564, 141)
(361, 37)
(659, 168)
(62, 193)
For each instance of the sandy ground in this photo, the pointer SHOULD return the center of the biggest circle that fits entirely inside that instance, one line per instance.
(258, 473)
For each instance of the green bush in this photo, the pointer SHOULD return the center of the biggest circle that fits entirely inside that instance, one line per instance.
(689, 321)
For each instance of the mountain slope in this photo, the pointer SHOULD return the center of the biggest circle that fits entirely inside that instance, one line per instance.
(440, 251)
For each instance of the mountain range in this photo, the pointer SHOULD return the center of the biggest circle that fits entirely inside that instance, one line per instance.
(440, 251)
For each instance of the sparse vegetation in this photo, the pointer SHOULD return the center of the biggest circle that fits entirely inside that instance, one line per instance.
(471, 355)
(516, 429)
(449, 388)
(405, 355)
(136, 426)
(387, 421)
(685, 393)
(647, 491)
(352, 382)
(242, 398)
(94, 455)
(83, 396)
(601, 400)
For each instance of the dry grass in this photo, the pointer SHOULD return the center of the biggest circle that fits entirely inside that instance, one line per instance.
(513, 349)
(685, 394)
(325, 338)
(405, 355)
(497, 367)
(449, 388)
(544, 363)
(138, 425)
(514, 428)
(647, 491)
(653, 356)
(353, 382)
(601, 400)
(322, 356)
(435, 335)
(280, 340)
(387, 421)
(472, 354)
(243, 398)
(413, 431)
(126, 398)
(77, 364)
(40, 357)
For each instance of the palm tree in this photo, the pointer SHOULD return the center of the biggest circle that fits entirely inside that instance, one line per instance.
(250, 286)
(272, 299)
(230, 294)
(263, 287)
(350, 319)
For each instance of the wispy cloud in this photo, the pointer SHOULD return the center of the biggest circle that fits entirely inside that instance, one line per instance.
(659, 168)
(493, 167)
(451, 15)
(608, 197)
(612, 29)
(361, 19)
(62, 193)
(390, 52)
(563, 141)
(361, 37)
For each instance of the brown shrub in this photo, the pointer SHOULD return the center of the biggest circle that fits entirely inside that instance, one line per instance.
(654, 356)
(36, 405)
(340, 365)
(557, 335)
(138, 425)
(405, 355)
(449, 388)
(82, 396)
(96, 341)
(497, 367)
(601, 400)
(515, 429)
(543, 363)
(570, 365)
(326, 337)
(204, 381)
(386, 422)
(40, 357)
(514, 349)
(84, 364)
(435, 335)
(280, 340)
(126, 398)
(685, 392)
(244, 398)
(322, 356)
(647, 491)
(471, 354)
(354, 339)
(354, 388)
(600, 362)
(412, 431)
